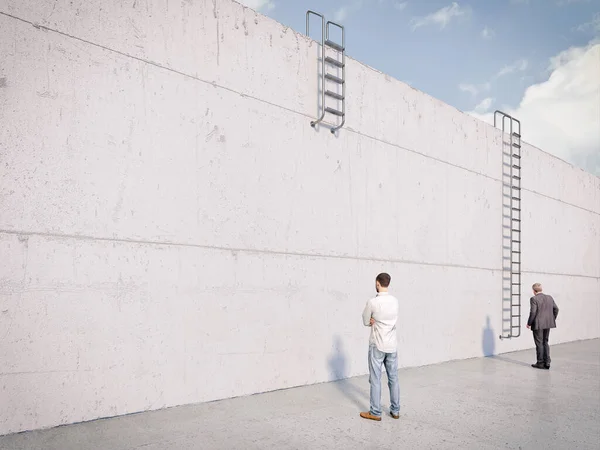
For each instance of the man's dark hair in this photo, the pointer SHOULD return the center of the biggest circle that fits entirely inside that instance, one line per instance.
(384, 279)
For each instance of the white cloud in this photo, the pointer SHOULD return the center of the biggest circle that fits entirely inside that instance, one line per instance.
(487, 33)
(258, 5)
(568, 2)
(400, 6)
(593, 26)
(484, 105)
(353, 6)
(562, 115)
(343, 12)
(474, 89)
(465, 87)
(518, 66)
(441, 17)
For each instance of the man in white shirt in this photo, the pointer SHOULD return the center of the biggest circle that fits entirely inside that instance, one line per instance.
(381, 314)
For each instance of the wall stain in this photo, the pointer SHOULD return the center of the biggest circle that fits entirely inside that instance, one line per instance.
(214, 131)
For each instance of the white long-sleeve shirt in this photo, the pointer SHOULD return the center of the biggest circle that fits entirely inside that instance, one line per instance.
(384, 309)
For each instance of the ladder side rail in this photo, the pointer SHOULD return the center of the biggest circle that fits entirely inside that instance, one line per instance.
(516, 150)
(313, 123)
(510, 248)
(512, 237)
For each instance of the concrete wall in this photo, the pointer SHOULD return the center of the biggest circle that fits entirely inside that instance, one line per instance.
(173, 231)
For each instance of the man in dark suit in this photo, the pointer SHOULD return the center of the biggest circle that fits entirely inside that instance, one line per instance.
(541, 318)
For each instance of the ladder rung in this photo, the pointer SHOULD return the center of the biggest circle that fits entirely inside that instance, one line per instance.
(334, 45)
(516, 220)
(334, 95)
(516, 241)
(516, 209)
(516, 134)
(517, 251)
(334, 62)
(516, 167)
(516, 187)
(516, 198)
(516, 145)
(516, 177)
(334, 78)
(516, 156)
(334, 112)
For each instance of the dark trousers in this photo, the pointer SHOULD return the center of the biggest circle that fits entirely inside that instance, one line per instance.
(540, 337)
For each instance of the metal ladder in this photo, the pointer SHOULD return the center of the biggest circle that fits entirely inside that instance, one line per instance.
(336, 59)
(511, 231)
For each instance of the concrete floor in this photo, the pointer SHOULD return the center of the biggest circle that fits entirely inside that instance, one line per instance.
(487, 403)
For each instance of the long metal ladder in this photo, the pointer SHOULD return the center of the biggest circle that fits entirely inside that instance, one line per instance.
(333, 85)
(511, 229)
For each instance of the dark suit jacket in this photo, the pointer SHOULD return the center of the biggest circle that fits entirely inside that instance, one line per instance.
(543, 312)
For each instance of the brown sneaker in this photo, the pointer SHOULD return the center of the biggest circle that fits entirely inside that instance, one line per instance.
(394, 415)
(368, 415)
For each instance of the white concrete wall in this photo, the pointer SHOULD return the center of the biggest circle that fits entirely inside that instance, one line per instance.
(173, 231)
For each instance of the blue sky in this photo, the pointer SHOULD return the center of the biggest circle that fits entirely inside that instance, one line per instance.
(477, 56)
(380, 33)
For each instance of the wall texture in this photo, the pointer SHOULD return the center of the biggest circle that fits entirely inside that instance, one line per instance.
(173, 231)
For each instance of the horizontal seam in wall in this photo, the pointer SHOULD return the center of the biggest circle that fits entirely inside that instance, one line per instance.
(531, 272)
(214, 84)
(43, 372)
(241, 250)
(561, 201)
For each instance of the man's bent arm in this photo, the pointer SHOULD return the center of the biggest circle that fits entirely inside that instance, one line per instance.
(533, 312)
(367, 314)
(554, 309)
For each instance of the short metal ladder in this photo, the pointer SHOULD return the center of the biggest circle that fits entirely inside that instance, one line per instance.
(333, 85)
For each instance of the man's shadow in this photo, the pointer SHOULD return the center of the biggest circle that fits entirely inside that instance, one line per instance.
(488, 342)
(339, 374)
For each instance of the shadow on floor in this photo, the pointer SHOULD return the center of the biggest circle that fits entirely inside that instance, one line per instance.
(488, 339)
(512, 361)
(338, 368)
(488, 345)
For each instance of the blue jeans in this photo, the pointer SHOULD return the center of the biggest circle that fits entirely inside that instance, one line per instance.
(390, 360)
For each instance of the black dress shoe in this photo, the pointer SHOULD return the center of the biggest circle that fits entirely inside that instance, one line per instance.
(538, 366)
